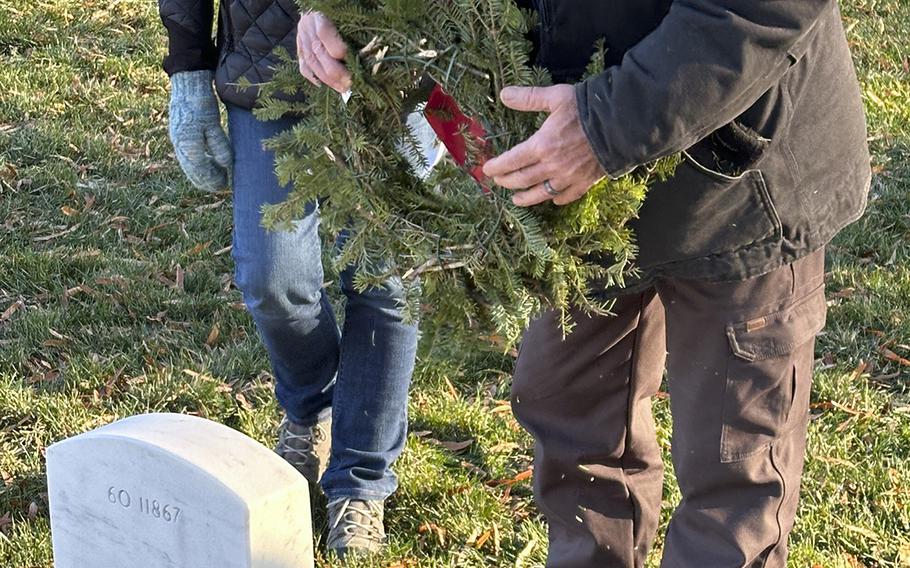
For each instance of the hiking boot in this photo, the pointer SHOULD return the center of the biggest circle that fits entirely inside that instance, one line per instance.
(355, 527)
(307, 448)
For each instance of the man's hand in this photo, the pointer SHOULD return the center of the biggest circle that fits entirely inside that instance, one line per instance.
(556, 163)
(320, 52)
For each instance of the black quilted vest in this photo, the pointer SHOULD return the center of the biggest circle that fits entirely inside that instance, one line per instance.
(248, 33)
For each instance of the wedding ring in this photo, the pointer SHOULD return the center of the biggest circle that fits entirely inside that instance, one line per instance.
(551, 191)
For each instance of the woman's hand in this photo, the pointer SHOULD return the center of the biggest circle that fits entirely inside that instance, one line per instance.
(320, 52)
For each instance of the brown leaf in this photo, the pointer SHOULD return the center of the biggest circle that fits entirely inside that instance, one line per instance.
(518, 478)
(14, 307)
(69, 211)
(453, 394)
(503, 447)
(213, 205)
(213, 336)
(152, 168)
(435, 530)
(454, 447)
(179, 277)
(845, 293)
(200, 247)
(32, 511)
(6, 522)
(892, 356)
(53, 236)
(243, 401)
(109, 385)
(8, 172)
(859, 370)
(483, 538)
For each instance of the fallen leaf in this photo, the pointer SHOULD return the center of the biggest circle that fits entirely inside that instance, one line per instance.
(6, 522)
(32, 511)
(213, 336)
(8, 313)
(434, 529)
(243, 401)
(845, 293)
(482, 539)
(59, 234)
(179, 277)
(453, 393)
(859, 370)
(517, 478)
(473, 468)
(214, 205)
(503, 447)
(69, 211)
(892, 356)
(454, 447)
(200, 247)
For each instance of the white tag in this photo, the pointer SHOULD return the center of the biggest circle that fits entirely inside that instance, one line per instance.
(432, 150)
(430, 146)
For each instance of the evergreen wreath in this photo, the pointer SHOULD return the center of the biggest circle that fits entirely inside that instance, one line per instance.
(468, 259)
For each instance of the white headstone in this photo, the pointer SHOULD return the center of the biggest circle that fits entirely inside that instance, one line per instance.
(175, 491)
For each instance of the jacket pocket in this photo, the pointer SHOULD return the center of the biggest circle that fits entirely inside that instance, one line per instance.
(703, 211)
(765, 387)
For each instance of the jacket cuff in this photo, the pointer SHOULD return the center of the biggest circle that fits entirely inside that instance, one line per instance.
(593, 130)
(192, 84)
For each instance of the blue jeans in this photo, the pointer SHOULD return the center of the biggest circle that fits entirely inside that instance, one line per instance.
(360, 375)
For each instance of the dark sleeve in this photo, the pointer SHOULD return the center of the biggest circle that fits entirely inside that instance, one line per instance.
(189, 30)
(704, 65)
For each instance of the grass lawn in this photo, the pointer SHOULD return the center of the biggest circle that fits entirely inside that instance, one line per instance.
(116, 298)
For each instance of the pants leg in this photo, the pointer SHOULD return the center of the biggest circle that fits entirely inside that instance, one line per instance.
(587, 402)
(740, 367)
(370, 420)
(281, 276)
(361, 376)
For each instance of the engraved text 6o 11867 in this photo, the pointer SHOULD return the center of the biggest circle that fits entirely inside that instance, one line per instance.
(152, 507)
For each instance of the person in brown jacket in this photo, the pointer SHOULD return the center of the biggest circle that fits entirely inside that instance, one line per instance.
(762, 100)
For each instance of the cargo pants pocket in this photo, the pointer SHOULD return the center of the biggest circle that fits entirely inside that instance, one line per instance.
(765, 385)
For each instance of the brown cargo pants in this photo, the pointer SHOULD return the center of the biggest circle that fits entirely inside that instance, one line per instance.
(739, 359)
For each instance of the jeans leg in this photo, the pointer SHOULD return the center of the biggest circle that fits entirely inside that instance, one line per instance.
(369, 421)
(281, 276)
(586, 399)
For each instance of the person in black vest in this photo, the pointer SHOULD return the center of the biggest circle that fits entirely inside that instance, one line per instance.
(345, 392)
(763, 101)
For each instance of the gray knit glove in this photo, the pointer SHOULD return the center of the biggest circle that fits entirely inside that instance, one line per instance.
(199, 141)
